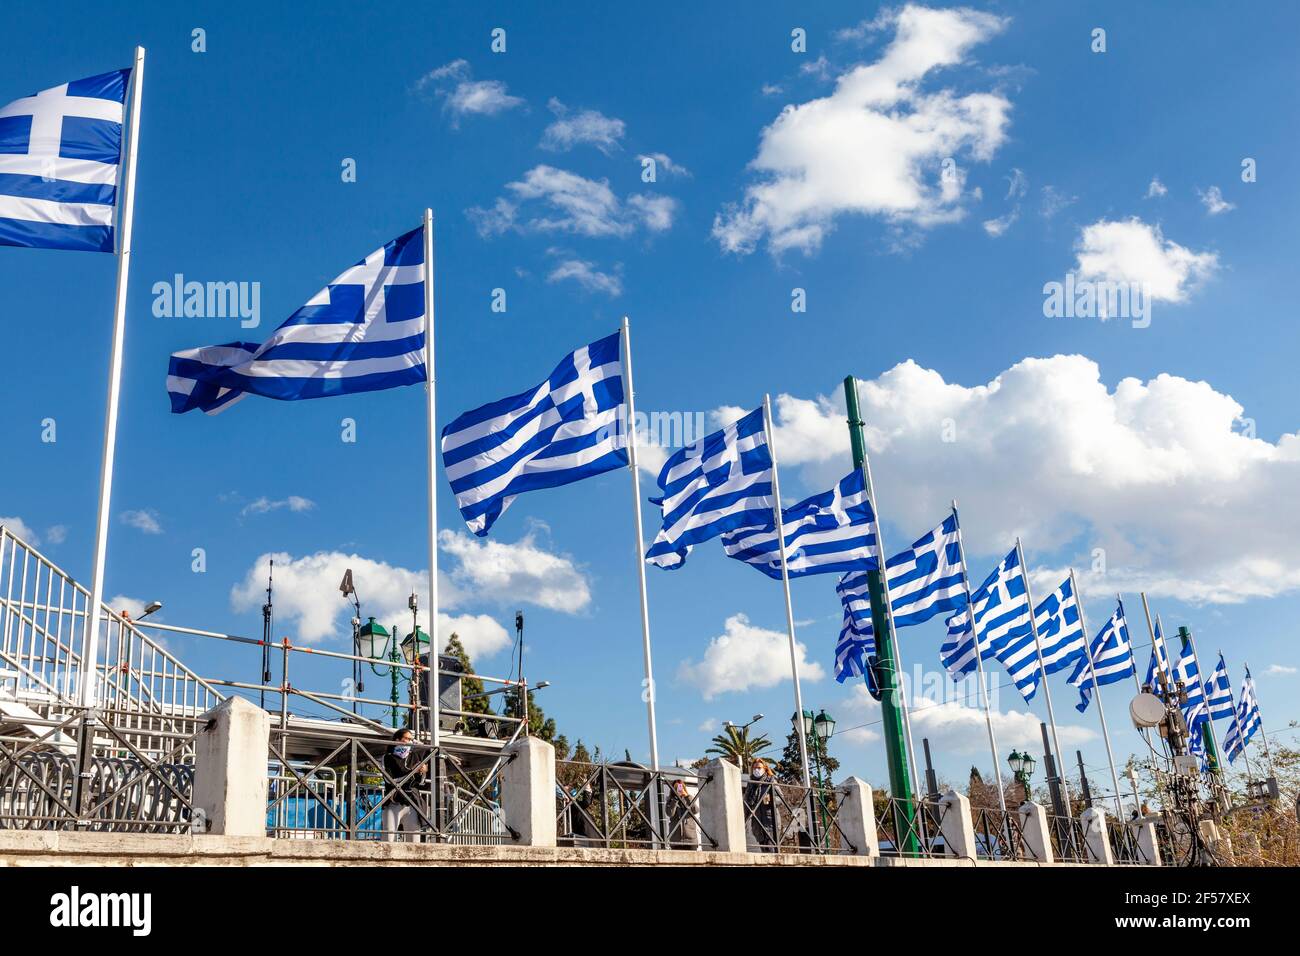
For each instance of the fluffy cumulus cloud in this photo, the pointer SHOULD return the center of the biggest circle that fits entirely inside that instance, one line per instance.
(21, 529)
(307, 596)
(877, 145)
(1213, 201)
(744, 657)
(1134, 251)
(1148, 471)
(581, 127)
(463, 95)
(132, 606)
(551, 200)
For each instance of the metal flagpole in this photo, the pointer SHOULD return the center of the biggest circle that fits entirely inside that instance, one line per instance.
(785, 582)
(1160, 667)
(126, 219)
(1211, 744)
(630, 400)
(979, 662)
(1263, 737)
(431, 406)
(1096, 693)
(1042, 673)
(1249, 773)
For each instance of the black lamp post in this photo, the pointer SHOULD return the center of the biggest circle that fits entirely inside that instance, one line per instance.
(1022, 767)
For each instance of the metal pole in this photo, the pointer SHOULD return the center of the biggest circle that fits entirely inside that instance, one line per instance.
(979, 662)
(1096, 693)
(1249, 773)
(630, 398)
(1211, 745)
(431, 405)
(1263, 737)
(785, 583)
(126, 219)
(1042, 670)
(900, 749)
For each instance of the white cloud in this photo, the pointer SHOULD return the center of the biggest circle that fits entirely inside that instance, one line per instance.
(1053, 201)
(1280, 670)
(1156, 188)
(132, 606)
(56, 534)
(498, 572)
(146, 520)
(481, 635)
(21, 530)
(997, 227)
(875, 146)
(1213, 201)
(1135, 251)
(588, 276)
(263, 505)
(665, 164)
(574, 128)
(463, 95)
(745, 656)
(708, 726)
(1148, 470)
(551, 200)
(1017, 184)
(772, 89)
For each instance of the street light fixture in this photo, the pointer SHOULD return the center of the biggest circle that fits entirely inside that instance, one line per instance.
(824, 725)
(150, 608)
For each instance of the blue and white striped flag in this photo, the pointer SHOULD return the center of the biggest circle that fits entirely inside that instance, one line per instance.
(1112, 659)
(361, 333)
(1198, 718)
(1159, 662)
(1219, 693)
(568, 428)
(1187, 671)
(832, 532)
(719, 484)
(927, 579)
(60, 151)
(857, 640)
(1247, 722)
(1060, 628)
(1001, 614)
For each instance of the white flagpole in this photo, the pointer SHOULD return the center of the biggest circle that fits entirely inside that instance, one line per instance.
(979, 663)
(630, 400)
(431, 406)
(917, 793)
(785, 582)
(126, 219)
(1263, 737)
(1042, 674)
(1249, 773)
(1096, 693)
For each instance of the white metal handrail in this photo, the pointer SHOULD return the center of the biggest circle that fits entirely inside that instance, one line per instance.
(43, 613)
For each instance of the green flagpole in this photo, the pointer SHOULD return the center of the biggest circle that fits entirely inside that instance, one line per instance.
(900, 778)
(1211, 748)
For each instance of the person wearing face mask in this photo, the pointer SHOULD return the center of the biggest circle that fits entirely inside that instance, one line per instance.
(399, 812)
(761, 806)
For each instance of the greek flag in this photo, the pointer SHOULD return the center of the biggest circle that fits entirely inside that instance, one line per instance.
(1001, 611)
(1219, 693)
(568, 428)
(1198, 718)
(1247, 722)
(857, 641)
(927, 579)
(712, 486)
(1159, 661)
(362, 332)
(60, 150)
(1187, 671)
(832, 532)
(1112, 659)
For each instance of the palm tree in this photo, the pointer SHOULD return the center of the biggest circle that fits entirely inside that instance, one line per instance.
(738, 746)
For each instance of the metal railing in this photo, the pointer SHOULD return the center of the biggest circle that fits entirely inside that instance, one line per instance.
(792, 818)
(1124, 846)
(351, 793)
(1069, 844)
(625, 805)
(909, 828)
(43, 615)
(998, 834)
(85, 772)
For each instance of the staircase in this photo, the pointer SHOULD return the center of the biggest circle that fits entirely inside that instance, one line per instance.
(141, 688)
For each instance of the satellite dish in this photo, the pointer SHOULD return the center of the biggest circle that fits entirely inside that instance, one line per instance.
(1147, 710)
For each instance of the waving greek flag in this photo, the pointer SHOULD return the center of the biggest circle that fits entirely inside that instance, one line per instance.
(1219, 693)
(716, 485)
(1112, 659)
(362, 332)
(857, 641)
(1060, 628)
(1159, 662)
(568, 428)
(1001, 611)
(1198, 718)
(832, 532)
(1187, 671)
(1247, 722)
(60, 150)
(927, 579)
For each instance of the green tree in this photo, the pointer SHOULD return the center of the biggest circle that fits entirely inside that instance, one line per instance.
(471, 689)
(539, 725)
(736, 744)
(789, 769)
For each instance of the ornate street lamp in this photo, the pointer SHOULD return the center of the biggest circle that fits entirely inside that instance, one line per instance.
(824, 725)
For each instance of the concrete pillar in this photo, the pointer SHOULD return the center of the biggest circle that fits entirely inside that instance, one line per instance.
(722, 806)
(230, 770)
(1096, 837)
(857, 818)
(956, 825)
(528, 791)
(1034, 833)
(1144, 834)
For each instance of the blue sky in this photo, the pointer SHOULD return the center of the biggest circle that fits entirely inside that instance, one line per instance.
(1171, 447)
